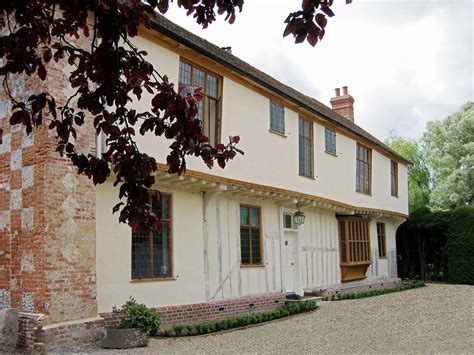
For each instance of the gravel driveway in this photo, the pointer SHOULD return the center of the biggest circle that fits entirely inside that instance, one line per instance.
(436, 318)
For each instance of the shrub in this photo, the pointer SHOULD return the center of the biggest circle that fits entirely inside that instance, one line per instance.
(191, 330)
(460, 246)
(139, 316)
(371, 293)
(290, 308)
(179, 329)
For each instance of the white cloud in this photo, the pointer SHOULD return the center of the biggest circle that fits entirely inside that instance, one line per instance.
(405, 62)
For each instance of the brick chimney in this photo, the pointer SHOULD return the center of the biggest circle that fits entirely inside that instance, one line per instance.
(343, 104)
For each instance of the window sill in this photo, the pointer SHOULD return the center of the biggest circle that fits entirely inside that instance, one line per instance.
(307, 177)
(364, 193)
(357, 263)
(155, 279)
(251, 266)
(331, 153)
(278, 133)
(396, 196)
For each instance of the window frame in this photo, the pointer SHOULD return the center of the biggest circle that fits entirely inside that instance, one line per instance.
(394, 178)
(218, 98)
(150, 237)
(332, 133)
(361, 163)
(251, 264)
(294, 226)
(311, 139)
(382, 240)
(357, 232)
(272, 127)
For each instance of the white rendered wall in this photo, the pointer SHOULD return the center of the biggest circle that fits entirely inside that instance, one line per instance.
(199, 276)
(271, 159)
(114, 245)
(320, 250)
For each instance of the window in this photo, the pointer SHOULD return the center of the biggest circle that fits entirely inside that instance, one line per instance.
(363, 169)
(152, 251)
(330, 141)
(394, 178)
(209, 109)
(354, 247)
(250, 236)
(381, 240)
(100, 144)
(277, 118)
(288, 222)
(305, 147)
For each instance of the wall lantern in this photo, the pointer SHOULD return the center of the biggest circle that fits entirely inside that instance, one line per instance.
(299, 217)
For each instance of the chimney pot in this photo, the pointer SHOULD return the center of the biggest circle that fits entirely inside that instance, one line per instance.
(344, 104)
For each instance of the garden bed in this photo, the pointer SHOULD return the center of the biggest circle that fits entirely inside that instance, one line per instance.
(289, 309)
(371, 293)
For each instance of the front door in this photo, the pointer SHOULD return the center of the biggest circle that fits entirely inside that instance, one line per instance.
(290, 261)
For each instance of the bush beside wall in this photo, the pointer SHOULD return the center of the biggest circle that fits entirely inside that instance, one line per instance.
(460, 246)
(289, 309)
(371, 293)
(437, 245)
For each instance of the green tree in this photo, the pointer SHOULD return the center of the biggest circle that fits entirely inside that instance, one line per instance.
(418, 173)
(448, 146)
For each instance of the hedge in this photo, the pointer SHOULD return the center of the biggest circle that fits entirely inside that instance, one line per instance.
(290, 308)
(371, 293)
(460, 246)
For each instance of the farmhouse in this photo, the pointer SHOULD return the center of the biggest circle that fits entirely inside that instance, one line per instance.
(312, 207)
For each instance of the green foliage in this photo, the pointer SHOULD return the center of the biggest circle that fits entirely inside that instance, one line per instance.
(450, 234)
(418, 173)
(460, 246)
(139, 316)
(449, 151)
(371, 293)
(290, 308)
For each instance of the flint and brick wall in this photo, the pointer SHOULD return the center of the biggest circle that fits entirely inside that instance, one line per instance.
(47, 214)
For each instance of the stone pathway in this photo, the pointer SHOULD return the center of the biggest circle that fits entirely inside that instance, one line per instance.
(436, 318)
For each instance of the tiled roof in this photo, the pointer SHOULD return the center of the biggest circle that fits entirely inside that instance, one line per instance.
(170, 29)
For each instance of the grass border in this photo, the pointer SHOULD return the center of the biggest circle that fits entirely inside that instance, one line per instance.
(372, 293)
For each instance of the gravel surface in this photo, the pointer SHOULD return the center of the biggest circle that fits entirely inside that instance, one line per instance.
(436, 318)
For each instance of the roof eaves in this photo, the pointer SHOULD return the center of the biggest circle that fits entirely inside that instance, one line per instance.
(219, 55)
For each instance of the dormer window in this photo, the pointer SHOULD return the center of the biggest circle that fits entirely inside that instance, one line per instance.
(209, 109)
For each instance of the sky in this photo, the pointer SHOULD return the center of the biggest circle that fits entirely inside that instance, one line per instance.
(406, 62)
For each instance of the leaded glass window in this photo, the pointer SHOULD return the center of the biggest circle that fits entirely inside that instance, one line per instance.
(363, 169)
(250, 236)
(330, 139)
(277, 118)
(305, 149)
(152, 250)
(209, 109)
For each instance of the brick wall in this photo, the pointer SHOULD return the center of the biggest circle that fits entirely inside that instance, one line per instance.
(199, 312)
(37, 336)
(358, 286)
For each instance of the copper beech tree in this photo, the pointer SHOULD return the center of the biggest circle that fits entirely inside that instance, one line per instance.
(108, 75)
